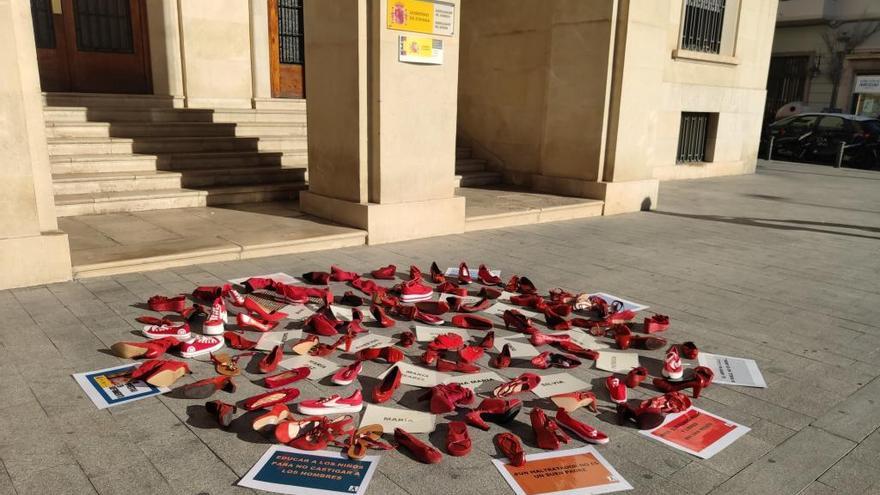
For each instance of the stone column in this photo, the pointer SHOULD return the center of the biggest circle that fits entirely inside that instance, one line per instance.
(32, 249)
(381, 132)
(166, 61)
(260, 70)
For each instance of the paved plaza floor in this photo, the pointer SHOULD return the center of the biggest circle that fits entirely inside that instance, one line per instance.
(782, 266)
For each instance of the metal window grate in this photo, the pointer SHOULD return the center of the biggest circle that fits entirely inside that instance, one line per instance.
(44, 31)
(290, 32)
(786, 82)
(103, 26)
(703, 21)
(692, 137)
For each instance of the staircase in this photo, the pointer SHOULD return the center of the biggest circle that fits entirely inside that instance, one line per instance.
(472, 172)
(118, 153)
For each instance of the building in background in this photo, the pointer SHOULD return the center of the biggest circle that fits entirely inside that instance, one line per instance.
(826, 54)
(118, 106)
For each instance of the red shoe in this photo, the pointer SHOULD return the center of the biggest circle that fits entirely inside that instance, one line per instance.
(656, 323)
(529, 300)
(199, 346)
(552, 359)
(645, 418)
(572, 348)
(380, 316)
(160, 373)
(489, 293)
(237, 341)
(385, 389)
(413, 290)
(348, 374)
(518, 321)
(481, 305)
(486, 277)
(525, 286)
(616, 389)
(276, 415)
(254, 307)
(511, 447)
(415, 273)
(321, 324)
(537, 338)
(503, 359)
(203, 389)
(419, 449)
(351, 299)
(216, 322)
(316, 278)
(444, 365)
(449, 287)
(390, 354)
(689, 350)
(384, 273)
(703, 377)
(224, 413)
(446, 397)
(246, 321)
(368, 287)
(470, 353)
(548, 435)
(672, 367)
(636, 376)
(269, 399)
(670, 402)
(208, 292)
(574, 400)
(332, 405)
(437, 276)
(286, 377)
(520, 384)
(288, 430)
(150, 349)
(339, 275)
(165, 304)
(446, 342)
(488, 340)
(458, 442)
(305, 345)
(464, 275)
(407, 339)
(430, 357)
(498, 411)
(433, 307)
(582, 430)
(472, 321)
(554, 320)
(325, 432)
(179, 332)
(625, 339)
(413, 313)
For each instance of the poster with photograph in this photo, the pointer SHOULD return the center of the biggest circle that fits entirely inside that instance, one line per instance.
(287, 470)
(627, 304)
(731, 370)
(112, 386)
(697, 432)
(277, 276)
(581, 471)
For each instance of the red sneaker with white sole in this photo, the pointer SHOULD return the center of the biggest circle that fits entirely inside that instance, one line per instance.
(179, 332)
(617, 389)
(348, 374)
(200, 346)
(216, 322)
(413, 290)
(333, 405)
(582, 430)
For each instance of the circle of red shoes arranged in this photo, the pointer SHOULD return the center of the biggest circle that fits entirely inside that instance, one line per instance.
(199, 325)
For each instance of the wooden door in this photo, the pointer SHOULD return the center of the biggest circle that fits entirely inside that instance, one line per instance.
(92, 46)
(286, 48)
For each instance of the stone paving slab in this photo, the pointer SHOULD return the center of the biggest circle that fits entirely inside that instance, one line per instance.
(781, 267)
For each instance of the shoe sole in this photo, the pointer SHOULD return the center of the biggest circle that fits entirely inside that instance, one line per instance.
(202, 352)
(127, 351)
(165, 378)
(324, 411)
(215, 329)
(674, 377)
(152, 336)
(343, 382)
(270, 419)
(416, 298)
(588, 440)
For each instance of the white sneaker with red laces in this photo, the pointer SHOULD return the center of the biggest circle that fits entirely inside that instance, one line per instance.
(179, 332)
(333, 405)
(672, 367)
(200, 346)
(413, 290)
(216, 322)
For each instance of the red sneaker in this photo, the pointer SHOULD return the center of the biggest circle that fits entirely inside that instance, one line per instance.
(348, 374)
(216, 322)
(247, 322)
(385, 389)
(339, 275)
(286, 377)
(150, 349)
(472, 321)
(384, 273)
(617, 389)
(381, 317)
(523, 383)
(511, 447)
(582, 430)
(413, 290)
(200, 346)
(271, 398)
(270, 361)
(224, 413)
(390, 354)
(179, 332)
(458, 442)
(499, 411)
(486, 277)
(332, 405)
(419, 449)
(636, 376)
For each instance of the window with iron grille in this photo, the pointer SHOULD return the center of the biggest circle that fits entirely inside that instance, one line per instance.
(692, 136)
(103, 26)
(702, 26)
(290, 32)
(44, 31)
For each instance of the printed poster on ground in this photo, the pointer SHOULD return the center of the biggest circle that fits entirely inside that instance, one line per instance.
(697, 432)
(111, 386)
(581, 471)
(731, 370)
(286, 470)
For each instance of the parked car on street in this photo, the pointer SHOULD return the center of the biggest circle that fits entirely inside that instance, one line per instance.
(817, 137)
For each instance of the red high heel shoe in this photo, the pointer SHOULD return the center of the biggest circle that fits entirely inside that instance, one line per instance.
(702, 378)
(472, 322)
(572, 401)
(572, 348)
(381, 318)
(486, 277)
(548, 435)
(203, 389)
(523, 383)
(625, 339)
(150, 349)
(636, 376)
(447, 397)
(481, 305)
(554, 320)
(503, 359)
(488, 340)
(537, 338)
(450, 287)
(351, 299)
(498, 411)
(270, 361)
(160, 373)
(385, 390)
(489, 293)
(645, 418)
(525, 286)
(533, 301)
(316, 278)
(384, 273)
(464, 275)
(321, 324)
(224, 413)
(511, 447)
(413, 313)
(276, 415)
(339, 275)
(254, 307)
(422, 451)
(552, 359)
(656, 323)
(238, 342)
(415, 273)
(246, 321)
(164, 304)
(458, 442)
(437, 276)
(517, 320)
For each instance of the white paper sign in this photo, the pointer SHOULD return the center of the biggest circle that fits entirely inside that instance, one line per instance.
(278, 277)
(371, 340)
(391, 418)
(587, 341)
(560, 383)
(518, 348)
(298, 312)
(416, 375)
(344, 313)
(429, 333)
(269, 340)
(499, 308)
(474, 380)
(452, 271)
(617, 361)
(733, 370)
(318, 366)
(627, 305)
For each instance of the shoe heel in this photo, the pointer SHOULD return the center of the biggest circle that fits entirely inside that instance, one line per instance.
(698, 388)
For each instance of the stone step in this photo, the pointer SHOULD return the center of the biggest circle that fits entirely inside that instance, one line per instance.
(113, 202)
(172, 129)
(463, 165)
(105, 182)
(200, 179)
(532, 215)
(111, 100)
(97, 163)
(254, 193)
(231, 159)
(154, 145)
(472, 179)
(111, 114)
(282, 143)
(280, 104)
